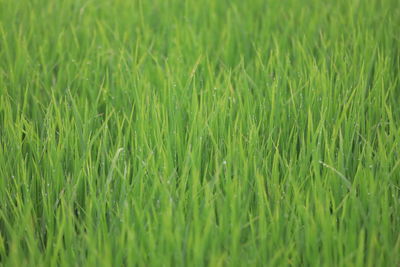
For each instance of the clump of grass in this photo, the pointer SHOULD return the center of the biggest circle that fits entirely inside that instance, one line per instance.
(191, 133)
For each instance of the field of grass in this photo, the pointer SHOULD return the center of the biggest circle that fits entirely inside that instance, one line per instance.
(199, 133)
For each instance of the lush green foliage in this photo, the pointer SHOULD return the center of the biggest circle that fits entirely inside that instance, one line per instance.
(191, 133)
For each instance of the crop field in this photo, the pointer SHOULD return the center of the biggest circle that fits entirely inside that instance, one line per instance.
(200, 133)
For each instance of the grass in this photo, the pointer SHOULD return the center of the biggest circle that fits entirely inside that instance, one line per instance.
(199, 133)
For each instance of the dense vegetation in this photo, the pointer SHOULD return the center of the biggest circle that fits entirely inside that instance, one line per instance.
(192, 133)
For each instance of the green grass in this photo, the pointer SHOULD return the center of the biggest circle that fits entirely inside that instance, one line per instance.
(199, 133)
